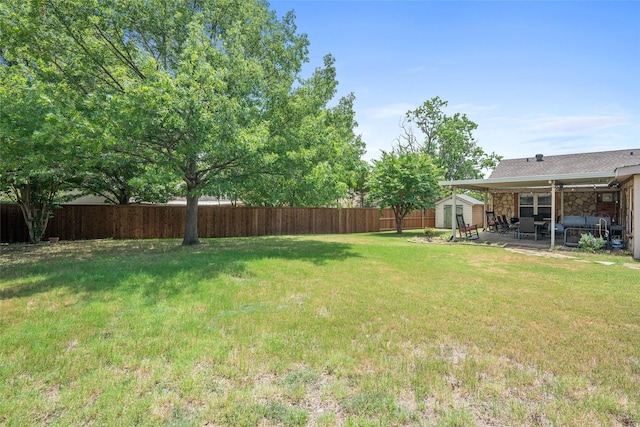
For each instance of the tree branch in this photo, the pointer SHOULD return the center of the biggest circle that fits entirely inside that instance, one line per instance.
(84, 48)
(124, 59)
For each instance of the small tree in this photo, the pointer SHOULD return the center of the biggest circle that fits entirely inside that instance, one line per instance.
(404, 181)
(38, 145)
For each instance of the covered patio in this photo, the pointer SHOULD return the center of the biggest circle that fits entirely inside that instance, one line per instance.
(509, 239)
(622, 183)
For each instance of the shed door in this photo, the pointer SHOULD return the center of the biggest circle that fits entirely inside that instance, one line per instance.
(447, 214)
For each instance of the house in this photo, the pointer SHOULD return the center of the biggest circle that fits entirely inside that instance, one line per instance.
(178, 201)
(606, 184)
(471, 209)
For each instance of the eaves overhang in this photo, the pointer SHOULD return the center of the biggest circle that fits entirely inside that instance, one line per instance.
(626, 172)
(566, 180)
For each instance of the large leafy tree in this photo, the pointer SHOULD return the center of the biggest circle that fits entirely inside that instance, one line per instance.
(312, 151)
(182, 84)
(404, 181)
(448, 139)
(121, 178)
(359, 186)
(39, 145)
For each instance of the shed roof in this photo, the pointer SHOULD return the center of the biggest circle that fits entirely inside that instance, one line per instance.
(470, 200)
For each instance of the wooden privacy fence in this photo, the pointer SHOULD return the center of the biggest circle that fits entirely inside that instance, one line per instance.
(415, 220)
(83, 222)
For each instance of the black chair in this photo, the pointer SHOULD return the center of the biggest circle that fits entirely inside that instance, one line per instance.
(505, 227)
(492, 222)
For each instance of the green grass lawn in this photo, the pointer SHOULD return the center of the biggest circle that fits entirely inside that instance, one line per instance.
(316, 330)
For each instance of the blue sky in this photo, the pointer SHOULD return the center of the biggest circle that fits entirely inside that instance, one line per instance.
(537, 77)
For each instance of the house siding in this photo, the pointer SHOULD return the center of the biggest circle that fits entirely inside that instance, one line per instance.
(626, 199)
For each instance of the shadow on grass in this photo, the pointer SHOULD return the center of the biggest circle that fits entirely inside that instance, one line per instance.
(406, 234)
(156, 268)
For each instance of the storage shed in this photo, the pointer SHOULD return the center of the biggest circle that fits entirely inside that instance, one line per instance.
(472, 210)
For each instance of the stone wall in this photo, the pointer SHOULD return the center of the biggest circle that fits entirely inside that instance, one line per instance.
(503, 204)
(575, 203)
(578, 203)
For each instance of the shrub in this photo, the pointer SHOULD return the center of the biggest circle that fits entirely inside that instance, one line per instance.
(429, 233)
(590, 243)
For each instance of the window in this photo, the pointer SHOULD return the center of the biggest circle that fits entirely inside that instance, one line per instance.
(534, 204)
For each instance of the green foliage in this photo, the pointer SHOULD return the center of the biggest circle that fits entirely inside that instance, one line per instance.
(449, 139)
(179, 85)
(360, 186)
(590, 243)
(41, 150)
(404, 181)
(312, 154)
(122, 178)
(430, 233)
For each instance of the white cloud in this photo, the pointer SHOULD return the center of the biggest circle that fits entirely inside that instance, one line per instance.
(568, 124)
(524, 136)
(396, 111)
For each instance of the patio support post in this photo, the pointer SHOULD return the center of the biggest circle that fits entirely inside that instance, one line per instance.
(485, 222)
(635, 220)
(454, 220)
(552, 228)
(562, 203)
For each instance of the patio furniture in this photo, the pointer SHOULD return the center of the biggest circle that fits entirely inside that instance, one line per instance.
(512, 224)
(492, 222)
(505, 227)
(466, 229)
(527, 226)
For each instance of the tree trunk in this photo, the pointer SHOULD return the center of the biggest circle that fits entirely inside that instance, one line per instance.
(398, 212)
(37, 219)
(36, 216)
(28, 219)
(191, 222)
(123, 197)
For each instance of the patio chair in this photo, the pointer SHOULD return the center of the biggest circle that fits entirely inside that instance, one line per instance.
(492, 222)
(467, 229)
(502, 226)
(527, 226)
(511, 224)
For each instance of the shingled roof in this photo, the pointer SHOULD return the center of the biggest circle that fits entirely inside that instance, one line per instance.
(603, 161)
